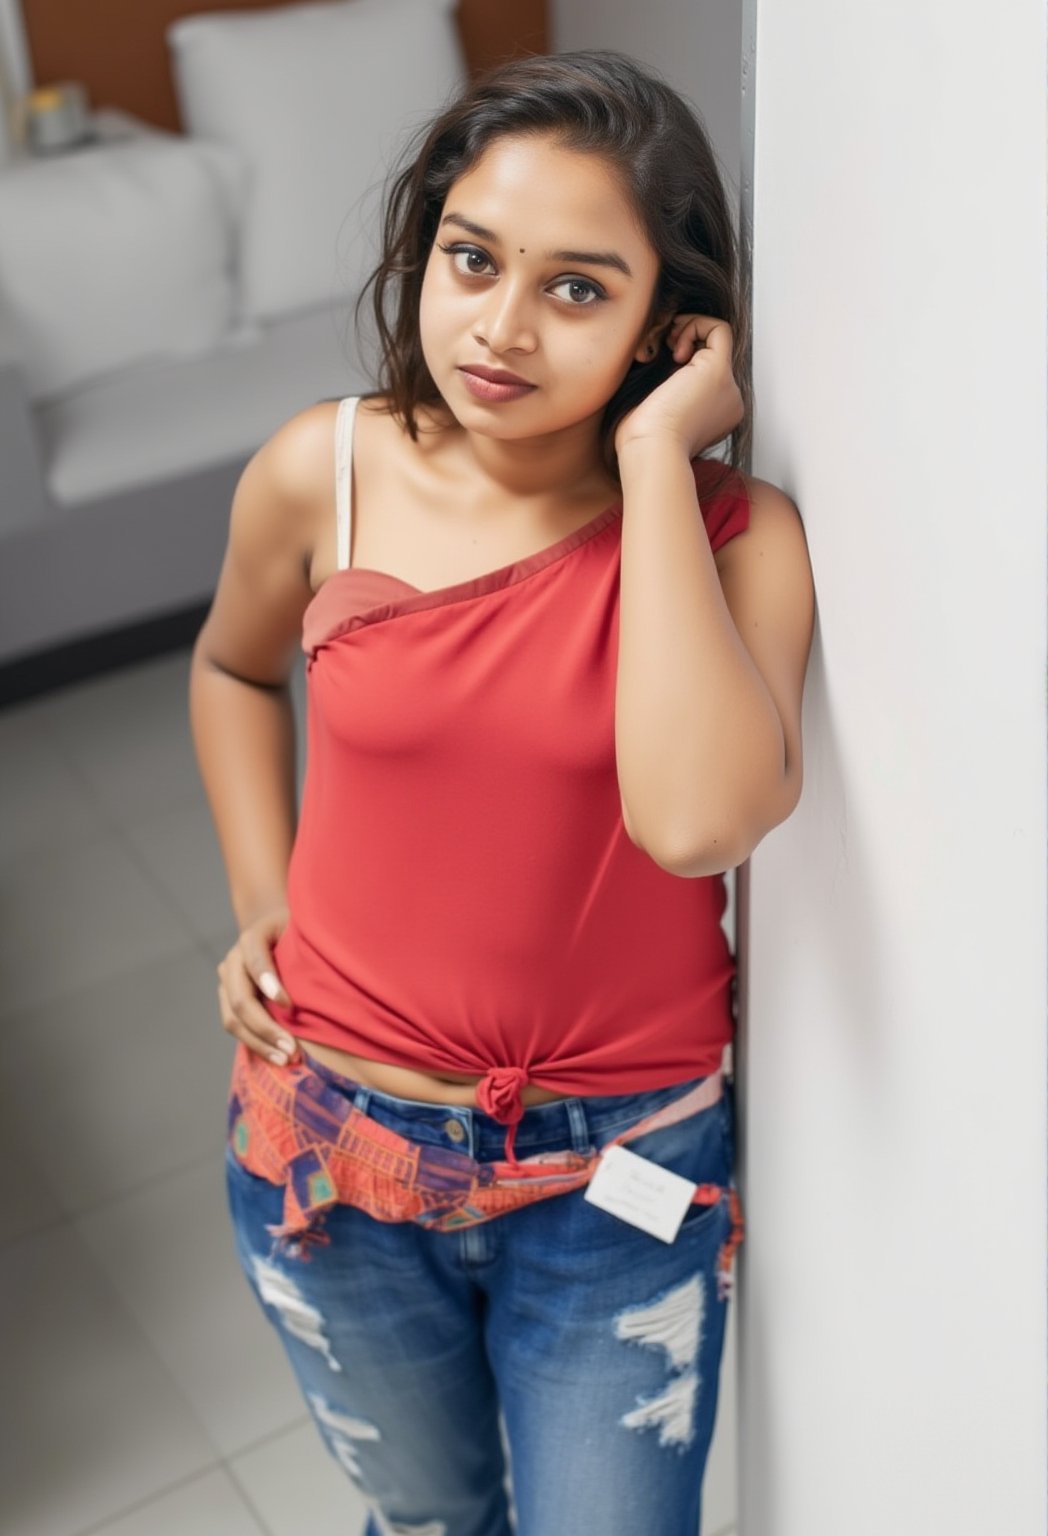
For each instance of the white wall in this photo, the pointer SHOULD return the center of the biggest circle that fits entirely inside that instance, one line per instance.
(693, 43)
(892, 1064)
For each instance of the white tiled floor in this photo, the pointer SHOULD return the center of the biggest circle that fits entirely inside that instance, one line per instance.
(144, 1393)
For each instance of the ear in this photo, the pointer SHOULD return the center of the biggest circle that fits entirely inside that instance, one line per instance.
(648, 347)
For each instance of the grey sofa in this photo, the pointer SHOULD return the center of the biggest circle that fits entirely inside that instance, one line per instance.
(114, 502)
(168, 300)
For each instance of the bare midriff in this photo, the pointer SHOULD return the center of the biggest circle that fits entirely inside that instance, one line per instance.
(407, 1083)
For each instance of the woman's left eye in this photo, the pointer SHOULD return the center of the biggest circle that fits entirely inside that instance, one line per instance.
(580, 291)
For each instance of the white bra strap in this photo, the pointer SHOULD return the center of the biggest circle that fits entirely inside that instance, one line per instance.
(344, 417)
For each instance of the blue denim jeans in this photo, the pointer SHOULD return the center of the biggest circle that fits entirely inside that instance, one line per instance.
(553, 1370)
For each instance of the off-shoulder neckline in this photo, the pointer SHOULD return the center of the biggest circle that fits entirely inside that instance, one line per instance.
(488, 581)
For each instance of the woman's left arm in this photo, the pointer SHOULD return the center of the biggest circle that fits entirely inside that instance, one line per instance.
(713, 651)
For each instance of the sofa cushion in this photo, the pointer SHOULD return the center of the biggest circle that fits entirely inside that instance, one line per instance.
(169, 418)
(117, 252)
(318, 98)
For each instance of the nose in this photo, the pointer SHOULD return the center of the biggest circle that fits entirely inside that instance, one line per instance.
(506, 322)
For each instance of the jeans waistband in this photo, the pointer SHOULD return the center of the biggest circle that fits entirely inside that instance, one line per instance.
(576, 1123)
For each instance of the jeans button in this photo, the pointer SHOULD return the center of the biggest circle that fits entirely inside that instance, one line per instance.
(455, 1129)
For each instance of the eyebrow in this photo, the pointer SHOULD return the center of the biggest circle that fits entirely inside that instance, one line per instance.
(586, 258)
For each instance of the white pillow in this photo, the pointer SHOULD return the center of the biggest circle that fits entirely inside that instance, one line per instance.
(117, 252)
(318, 98)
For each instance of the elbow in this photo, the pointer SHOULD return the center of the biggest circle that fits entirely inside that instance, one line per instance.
(720, 851)
(714, 857)
(730, 841)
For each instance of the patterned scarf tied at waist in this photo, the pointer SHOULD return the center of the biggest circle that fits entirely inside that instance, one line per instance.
(290, 1127)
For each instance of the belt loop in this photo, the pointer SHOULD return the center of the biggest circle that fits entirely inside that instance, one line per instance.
(580, 1132)
(361, 1099)
(463, 1115)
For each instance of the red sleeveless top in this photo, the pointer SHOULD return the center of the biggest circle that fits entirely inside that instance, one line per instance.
(462, 893)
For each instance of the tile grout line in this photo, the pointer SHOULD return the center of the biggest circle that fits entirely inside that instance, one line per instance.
(218, 1465)
(245, 1494)
(153, 1182)
(69, 1218)
(298, 1422)
(253, 1509)
(131, 1322)
(189, 940)
(113, 825)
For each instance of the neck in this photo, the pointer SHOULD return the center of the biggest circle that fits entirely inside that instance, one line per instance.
(563, 466)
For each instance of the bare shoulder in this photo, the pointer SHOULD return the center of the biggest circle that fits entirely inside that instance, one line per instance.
(300, 455)
(775, 528)
(766, 576)
(769, 501)
(298, 458)
(254, 623)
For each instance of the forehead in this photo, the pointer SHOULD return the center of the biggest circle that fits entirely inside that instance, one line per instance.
(531, 190)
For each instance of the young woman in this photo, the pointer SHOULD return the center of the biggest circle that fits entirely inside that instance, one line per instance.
(481, 1143)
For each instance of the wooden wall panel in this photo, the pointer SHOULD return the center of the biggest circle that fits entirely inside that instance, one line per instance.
(117, 48)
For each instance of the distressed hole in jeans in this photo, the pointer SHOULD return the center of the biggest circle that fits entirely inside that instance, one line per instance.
(672, 1323)
(400, 1528)
(298, 1316)
(671, 1411)
(341, 1431)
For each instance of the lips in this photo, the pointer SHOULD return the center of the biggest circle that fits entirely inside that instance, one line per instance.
(495, 375)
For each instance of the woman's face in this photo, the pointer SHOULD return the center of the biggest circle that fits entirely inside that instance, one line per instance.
(539, 269)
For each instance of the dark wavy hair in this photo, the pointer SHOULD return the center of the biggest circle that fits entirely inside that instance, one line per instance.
(599, 102)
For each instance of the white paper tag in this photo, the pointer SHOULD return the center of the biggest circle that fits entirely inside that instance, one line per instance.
(640, 1192)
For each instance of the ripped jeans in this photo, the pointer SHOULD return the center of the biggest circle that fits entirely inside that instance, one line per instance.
(552, 1370)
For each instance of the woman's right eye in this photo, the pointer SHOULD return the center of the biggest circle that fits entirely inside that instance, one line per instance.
(467, 259)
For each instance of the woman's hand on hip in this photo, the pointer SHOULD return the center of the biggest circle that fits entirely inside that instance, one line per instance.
(247, 971)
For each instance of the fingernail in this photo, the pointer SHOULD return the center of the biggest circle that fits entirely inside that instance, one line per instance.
(287, 1045)
(278, 1057)
(269, 984)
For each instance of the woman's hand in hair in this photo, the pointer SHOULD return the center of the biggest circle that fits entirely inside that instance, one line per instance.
(246, 971)
(700, 403)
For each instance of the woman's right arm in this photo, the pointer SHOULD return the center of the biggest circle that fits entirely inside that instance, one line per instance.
(240, 706)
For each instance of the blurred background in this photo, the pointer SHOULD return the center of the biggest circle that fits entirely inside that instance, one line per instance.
(187, 211)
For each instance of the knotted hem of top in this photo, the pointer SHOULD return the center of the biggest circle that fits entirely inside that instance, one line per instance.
(500, 1094)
